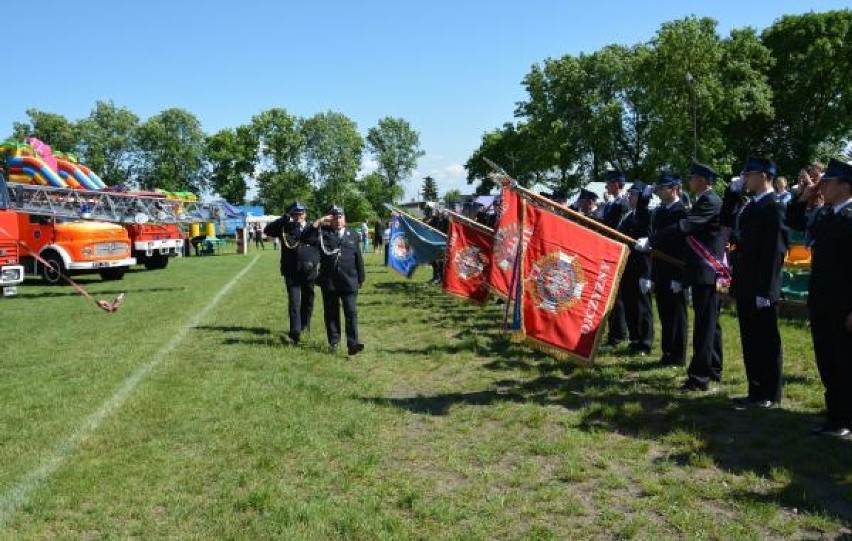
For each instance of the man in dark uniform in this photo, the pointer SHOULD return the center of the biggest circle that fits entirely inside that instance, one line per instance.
(299, 267)
(830, 289)
(341, 275)
(610, 214)
(702, 226)
(668, 279)
(761, 242)
(635, 288)
(587, 203)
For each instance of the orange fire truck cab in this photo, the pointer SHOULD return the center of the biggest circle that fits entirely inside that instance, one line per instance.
(74, 247)
(11, 272)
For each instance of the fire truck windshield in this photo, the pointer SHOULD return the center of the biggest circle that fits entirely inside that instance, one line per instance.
(3, 203)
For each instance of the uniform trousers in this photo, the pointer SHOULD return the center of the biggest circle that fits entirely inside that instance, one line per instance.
(671, 308)
(833, 349)
(639, 315)
(300, 304)
(761, 343)
(706, 361)
(332, 300)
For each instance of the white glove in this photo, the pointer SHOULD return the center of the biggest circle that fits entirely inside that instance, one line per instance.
(737, 185)
(642, 245)
(676, 286)
(645, 285)
(648, 191)
(761, 302)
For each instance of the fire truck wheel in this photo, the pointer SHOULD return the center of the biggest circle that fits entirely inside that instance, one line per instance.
(52, 274)
(156, 261)
(114, 273)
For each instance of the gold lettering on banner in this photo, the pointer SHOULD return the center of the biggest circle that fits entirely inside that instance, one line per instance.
(593, 309)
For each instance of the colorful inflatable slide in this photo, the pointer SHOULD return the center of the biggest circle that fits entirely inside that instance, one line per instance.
(33, 162)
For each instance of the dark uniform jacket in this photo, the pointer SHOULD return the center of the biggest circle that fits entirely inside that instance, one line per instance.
(636, 223)
(613, 211)
(760, 239)
(341, 263)
(702, 222)
(299, 257)
(662, 273)
(830, 287)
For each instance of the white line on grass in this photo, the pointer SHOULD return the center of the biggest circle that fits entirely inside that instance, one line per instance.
(18, 495)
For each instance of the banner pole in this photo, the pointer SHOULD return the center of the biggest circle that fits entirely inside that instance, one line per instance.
(581, 218)
(400, 211)
(476, 225)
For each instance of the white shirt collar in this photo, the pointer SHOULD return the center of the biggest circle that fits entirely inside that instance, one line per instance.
(840, 206)
(760, 196)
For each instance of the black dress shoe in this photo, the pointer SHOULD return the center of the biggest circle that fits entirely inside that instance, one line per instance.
(691, 385)
(294, 336)
(742, 402)
(831, 429)
(355, 349)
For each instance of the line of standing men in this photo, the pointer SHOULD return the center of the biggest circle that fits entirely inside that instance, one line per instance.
(325, 252)
(758, 225)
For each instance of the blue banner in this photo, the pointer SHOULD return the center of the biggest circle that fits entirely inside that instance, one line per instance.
(427, 243)
(401, 256)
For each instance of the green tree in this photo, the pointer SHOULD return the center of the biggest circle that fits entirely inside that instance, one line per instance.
(812, 89)
(171, 146)
(231, 155)
(278, 189)
(513, 148)
(452, 196)
(281, 180)
(395, 145)
(332, 156)
(53, 129)
(280, 139)
(430, 189)
(698, 81)
(378, 193)
(107, 142)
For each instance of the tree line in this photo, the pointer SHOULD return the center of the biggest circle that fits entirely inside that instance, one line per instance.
(688, 93)
(315, 160)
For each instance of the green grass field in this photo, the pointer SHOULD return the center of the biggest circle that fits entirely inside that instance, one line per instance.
(186, 416)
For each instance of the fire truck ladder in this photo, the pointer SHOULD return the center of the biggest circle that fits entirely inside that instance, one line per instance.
(106, 206)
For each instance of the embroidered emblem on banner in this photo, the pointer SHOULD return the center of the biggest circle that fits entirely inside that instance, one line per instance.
(556, 282)
(469, 262)
(400, 247)
(506, 246)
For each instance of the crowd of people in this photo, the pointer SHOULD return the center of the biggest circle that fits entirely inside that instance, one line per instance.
(735, 242)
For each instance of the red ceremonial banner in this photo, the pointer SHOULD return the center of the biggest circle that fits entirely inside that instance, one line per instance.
(507, 235)
(467, 261)
(569, 281)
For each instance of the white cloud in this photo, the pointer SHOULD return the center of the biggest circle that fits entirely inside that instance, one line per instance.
(448, 176)
(368, 165)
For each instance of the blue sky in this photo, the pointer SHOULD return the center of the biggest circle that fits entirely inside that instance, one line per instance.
(451, 68)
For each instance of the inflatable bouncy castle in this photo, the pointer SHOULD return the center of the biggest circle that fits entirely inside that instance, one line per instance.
(33, 162)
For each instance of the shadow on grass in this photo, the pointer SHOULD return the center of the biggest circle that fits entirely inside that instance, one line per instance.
(634, 398)
(257, 331)
(251, 336)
